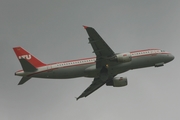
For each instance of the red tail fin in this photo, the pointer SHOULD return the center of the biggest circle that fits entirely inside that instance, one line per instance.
(23, 54)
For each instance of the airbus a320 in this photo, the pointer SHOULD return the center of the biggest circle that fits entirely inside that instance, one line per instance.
(103, 68)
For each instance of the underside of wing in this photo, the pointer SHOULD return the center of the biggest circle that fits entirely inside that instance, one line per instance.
(98, 44)
(100, 47)
(97, 83)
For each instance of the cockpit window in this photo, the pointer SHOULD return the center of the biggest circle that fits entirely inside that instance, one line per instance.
(162, 50)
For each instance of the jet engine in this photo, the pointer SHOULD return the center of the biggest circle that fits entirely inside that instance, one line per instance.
(122, 57)
(117, 82)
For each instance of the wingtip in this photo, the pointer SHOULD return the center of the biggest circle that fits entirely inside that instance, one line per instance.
(85, 27)
(76, 98)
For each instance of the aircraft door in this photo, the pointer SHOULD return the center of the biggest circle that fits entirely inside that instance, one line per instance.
(49, 71)
(49, 67)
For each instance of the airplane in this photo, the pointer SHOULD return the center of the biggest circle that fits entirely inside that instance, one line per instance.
(103, 68)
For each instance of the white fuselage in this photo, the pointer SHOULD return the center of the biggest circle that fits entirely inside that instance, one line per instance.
(87, 67)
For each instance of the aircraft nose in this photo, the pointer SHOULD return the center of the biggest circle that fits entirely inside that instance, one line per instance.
(171, 57)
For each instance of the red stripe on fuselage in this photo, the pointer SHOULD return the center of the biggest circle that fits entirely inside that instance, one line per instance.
(72, 61)
(60, 67)
(152, 54)
(143, 50)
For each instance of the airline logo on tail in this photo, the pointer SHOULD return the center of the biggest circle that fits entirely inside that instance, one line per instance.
(23, 54)
(27, 57)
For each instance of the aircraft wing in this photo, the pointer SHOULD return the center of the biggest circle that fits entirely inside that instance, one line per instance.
(100, 47)
(97, 83)
(103, 53)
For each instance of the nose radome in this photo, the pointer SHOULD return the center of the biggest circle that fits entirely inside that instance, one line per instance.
(171, 57)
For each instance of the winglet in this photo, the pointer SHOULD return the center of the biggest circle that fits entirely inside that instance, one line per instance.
(85, 27)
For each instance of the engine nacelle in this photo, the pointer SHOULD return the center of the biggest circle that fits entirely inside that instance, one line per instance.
(122, 57)
(118, 82)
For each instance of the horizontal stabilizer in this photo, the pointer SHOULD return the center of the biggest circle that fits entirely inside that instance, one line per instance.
(23, 80)
(27, 66)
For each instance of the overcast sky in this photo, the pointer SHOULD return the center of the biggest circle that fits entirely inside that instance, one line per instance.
(52, 31)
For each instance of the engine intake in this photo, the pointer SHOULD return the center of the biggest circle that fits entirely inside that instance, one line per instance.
(117, 82)
(122, 57)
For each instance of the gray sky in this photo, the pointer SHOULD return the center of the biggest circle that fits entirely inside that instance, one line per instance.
(52, 31)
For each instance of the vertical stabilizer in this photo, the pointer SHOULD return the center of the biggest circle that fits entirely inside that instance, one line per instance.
(23, 54)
